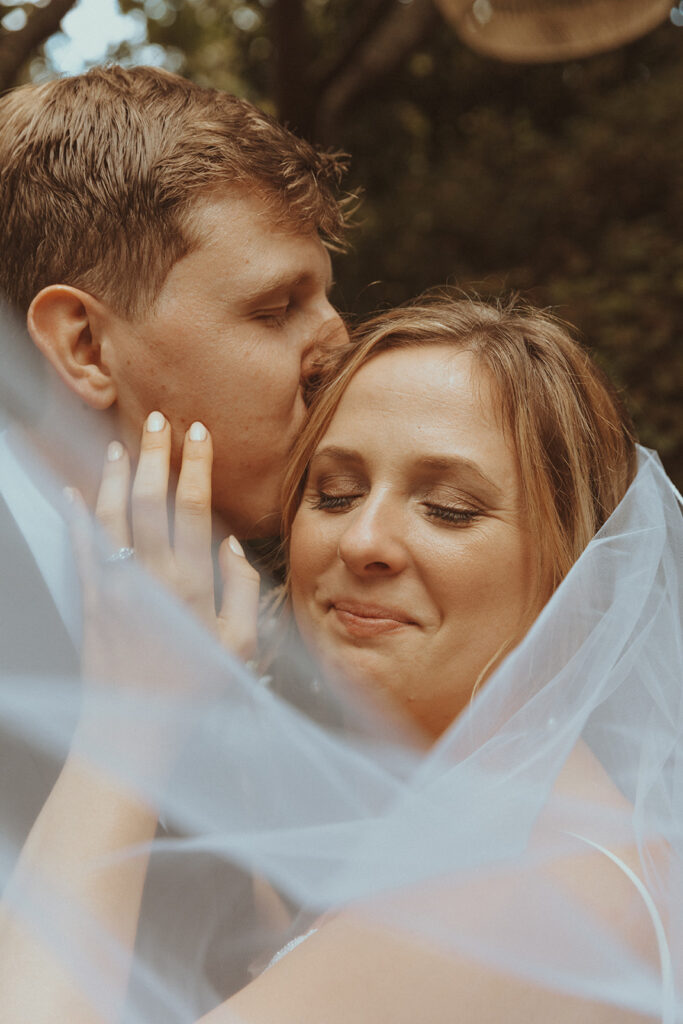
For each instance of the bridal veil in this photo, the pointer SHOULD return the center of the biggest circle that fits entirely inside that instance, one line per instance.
(279, 808)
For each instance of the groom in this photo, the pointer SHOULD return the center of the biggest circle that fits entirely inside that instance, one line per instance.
(168, 246)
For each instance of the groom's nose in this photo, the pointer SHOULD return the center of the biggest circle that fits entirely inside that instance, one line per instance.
(331, 335)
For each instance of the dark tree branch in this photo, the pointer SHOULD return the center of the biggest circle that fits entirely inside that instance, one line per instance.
(372, 14)
(292, 49)
(17, 47)
(402, 29)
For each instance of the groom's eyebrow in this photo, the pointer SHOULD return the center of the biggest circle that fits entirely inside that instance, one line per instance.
(273, 287)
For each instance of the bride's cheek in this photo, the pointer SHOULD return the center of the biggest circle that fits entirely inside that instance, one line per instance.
(299, 558)
(312, 545)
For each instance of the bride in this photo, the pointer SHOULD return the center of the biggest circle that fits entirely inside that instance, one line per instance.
(485, 821)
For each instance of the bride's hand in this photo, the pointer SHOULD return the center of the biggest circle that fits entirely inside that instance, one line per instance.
(186, 567)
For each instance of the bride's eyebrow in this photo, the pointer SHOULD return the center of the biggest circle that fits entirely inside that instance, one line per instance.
(338, 454)
(459, 465)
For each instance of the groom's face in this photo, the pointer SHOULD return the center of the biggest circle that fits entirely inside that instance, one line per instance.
(228, 341)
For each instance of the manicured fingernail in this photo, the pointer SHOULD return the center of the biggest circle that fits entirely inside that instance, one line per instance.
(197, 432)
(72, 497)
(235, 546)
(155, 422)
(114, 451)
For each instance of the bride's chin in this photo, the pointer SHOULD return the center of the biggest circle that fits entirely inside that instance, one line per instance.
(358, 671)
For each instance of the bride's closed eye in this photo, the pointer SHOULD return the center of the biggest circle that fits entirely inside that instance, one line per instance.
(451, 515)
(332, 502)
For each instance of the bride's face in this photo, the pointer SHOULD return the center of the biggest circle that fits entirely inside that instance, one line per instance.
(411, 560)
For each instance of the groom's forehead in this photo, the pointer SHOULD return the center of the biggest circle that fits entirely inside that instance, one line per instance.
(255, 241)
(235, 210)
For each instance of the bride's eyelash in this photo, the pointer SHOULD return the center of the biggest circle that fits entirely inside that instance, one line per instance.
(452, 515)
(443, 513)
(331, 502)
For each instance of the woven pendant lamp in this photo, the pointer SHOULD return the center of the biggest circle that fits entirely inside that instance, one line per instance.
(551, 30)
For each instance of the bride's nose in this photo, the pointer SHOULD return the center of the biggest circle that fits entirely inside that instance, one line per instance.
(373, 542)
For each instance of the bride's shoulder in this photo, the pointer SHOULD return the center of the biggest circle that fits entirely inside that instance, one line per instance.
(602, 867)
(353, 969)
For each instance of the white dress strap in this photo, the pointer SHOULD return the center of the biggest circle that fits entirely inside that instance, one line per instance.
(666, 966)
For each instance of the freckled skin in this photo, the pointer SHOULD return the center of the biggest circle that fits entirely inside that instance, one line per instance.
(219, 347)
(424, 433)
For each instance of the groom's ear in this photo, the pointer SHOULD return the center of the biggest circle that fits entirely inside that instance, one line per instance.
(69, 327)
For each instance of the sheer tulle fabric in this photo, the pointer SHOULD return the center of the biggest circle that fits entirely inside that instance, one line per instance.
(275, 812)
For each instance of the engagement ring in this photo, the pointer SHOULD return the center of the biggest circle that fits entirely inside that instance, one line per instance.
(122, 555)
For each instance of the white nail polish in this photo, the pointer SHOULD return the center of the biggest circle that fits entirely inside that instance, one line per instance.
(235, 546)
(155, 422)
(197, 432)
(114, 451)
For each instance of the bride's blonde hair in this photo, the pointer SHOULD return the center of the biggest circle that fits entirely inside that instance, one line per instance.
(572, 435)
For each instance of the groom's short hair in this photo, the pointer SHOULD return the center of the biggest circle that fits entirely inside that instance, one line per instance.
(99, 173)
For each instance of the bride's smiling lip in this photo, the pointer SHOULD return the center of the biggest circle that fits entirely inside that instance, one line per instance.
(361, 619)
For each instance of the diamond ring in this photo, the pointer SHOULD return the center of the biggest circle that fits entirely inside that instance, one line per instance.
(122, 555)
